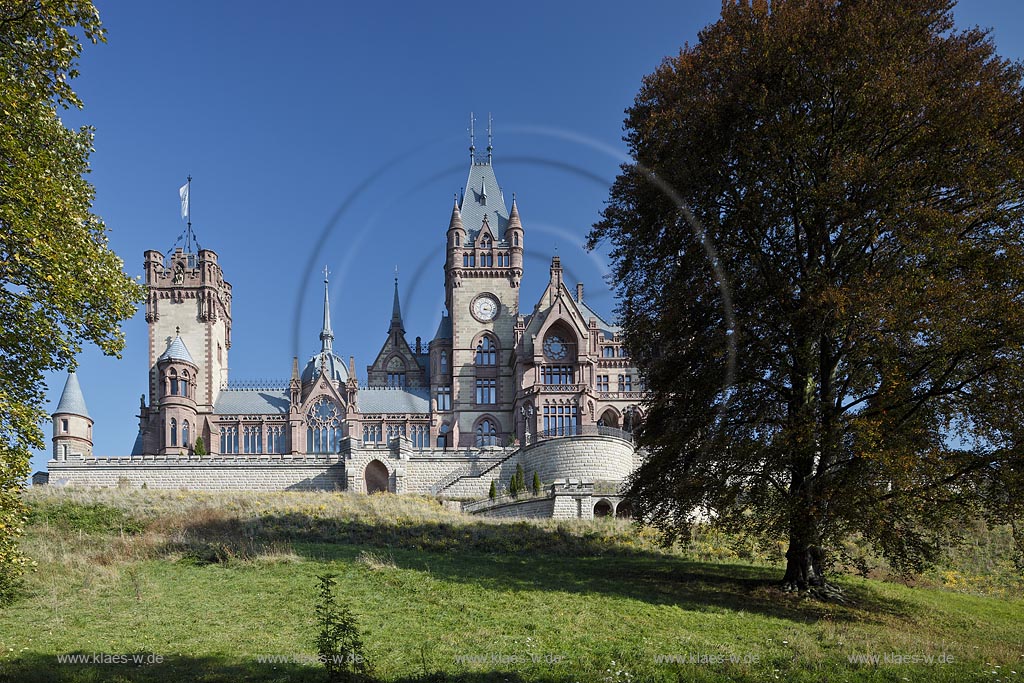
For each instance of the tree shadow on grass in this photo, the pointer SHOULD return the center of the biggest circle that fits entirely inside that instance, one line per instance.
(46, 668)
(525, 556)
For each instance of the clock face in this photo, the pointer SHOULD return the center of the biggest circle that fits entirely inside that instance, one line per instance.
(485, 308)
(555, 348)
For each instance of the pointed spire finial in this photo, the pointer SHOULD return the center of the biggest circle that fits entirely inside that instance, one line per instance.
(177, 330)
(490, 136)
(396, 309)
(326, 334)
(472, 140)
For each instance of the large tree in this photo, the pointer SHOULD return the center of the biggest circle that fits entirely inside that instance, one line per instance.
(819, 253)
(60, 285)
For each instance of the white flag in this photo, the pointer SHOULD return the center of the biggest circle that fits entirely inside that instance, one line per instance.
(183, 193)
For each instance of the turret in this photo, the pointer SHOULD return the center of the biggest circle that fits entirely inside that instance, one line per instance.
(514, 238)
(177, 373)
(72, 426)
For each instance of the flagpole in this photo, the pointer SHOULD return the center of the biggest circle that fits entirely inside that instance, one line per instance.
(188, 207)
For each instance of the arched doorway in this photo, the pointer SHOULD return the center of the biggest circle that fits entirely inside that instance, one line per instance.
(624, 510)
(376, 477)
(603, 508)
(609, 418)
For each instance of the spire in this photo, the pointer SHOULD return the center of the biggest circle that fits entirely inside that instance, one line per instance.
(513, 217)
(490, 136)
(472, 143)
(396, 308)
(456, 222)
(326, 335)
(71, 400)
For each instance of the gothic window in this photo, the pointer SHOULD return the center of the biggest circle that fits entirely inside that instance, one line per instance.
(444, 398)
(396, 379)
(323, 427)
(252, 439)
(602, 383)
(442, 436)
(486, 352)
(275, 439)
(609, 352)
(184, 383)
(174, 382)
(486, 260)
(444, 362)
(557, 374)
(395, 431)
(560, 420)
(515, 239)
(185, 440)
(372, 433)
(485, 242)
(486, 391)
(458, 240)
(486, 434)
(420, 436)
(229, 439)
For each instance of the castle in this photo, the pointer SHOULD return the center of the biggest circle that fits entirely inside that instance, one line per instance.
(551, 389)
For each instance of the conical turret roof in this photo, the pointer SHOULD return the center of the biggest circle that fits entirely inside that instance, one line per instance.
(71, 400)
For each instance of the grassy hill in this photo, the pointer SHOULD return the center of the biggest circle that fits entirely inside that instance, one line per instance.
(221, 587)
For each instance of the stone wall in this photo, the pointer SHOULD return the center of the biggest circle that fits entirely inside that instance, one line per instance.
(220, 473)
(588, 458)
(465, 474)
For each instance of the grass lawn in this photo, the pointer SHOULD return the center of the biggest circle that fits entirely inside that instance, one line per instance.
(212, 583)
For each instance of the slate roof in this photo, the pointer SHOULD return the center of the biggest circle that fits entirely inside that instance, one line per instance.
(483, 198)
(137, 446)
(444, 328)
(393, 400)
(602, 324)
(252, 402)
(71, 399)
(176, 350)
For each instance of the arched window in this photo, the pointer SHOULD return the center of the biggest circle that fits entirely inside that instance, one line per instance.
(173, 374)
(185, 441)
(485, 242)
(515, 239)
(444, 362)
(174, 431)
(184, 383)
(609, 352)
(442, 436)
(486, 434)
(486, 352)
(323, 427)
(458, 240)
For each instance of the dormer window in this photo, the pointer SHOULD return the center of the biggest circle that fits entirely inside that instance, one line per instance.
(485, 242)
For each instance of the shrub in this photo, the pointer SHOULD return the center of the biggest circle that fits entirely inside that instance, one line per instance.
(338, 644)
(200, 447)
(493, 493)
(536, 483)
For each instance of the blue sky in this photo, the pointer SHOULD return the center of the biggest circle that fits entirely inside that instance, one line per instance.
(336, 133)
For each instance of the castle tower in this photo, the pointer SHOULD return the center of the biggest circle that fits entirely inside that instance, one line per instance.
(72, 426)
(176, 373)
(483, 268)
(189, 299)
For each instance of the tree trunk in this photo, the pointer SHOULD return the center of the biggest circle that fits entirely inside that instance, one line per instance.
(805, 561)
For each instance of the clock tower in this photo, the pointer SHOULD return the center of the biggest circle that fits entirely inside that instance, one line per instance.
(483, 269)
